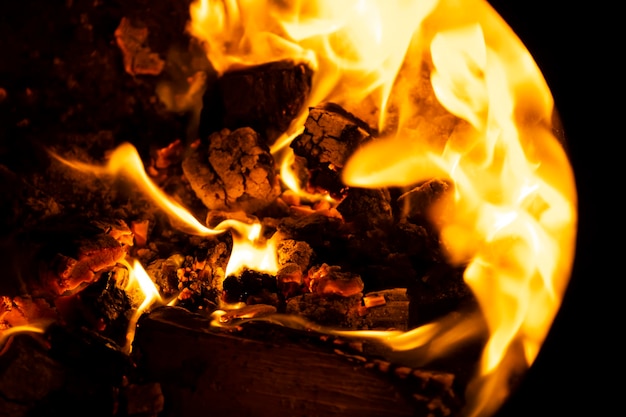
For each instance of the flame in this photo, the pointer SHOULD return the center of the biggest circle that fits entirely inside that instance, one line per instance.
(290, 180)
(511, 218)
(251, 250)
(355, 47)
(139, 282)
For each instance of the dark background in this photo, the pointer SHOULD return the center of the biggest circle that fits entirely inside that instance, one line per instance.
(571, 375)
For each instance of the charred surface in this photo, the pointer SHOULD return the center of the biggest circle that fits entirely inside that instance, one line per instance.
(233, 171)
(266, 98)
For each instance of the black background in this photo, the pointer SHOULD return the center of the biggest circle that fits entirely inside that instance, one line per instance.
(572, 374)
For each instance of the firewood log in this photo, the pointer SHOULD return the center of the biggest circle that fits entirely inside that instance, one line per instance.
(274, 372)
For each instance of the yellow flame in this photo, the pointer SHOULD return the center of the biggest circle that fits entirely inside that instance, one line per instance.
(512, 216)
(290, 180)
(37, 328)
(251, 250)
(140, 281)
(125, 160)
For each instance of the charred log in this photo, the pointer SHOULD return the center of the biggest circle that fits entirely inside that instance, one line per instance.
(367, 208)
(265, 97)
(102, 307)
(61, 254)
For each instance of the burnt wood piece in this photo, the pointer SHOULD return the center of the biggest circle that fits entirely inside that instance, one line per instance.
(233, 171)
(439, 291)
(80, 261)
(251, 287)
(138, 58)
(142, 400)
(330, 136)
(194, 280)
(386, 309)
(265, 97)
(389, 309)
(336, 311)
(27, 375)
(327, 280)
(270, 371)
(293, 251)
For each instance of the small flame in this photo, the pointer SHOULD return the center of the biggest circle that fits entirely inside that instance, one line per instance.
(290, 180)
(139, 281)
(250, 249)
(36, 328)
(512, 219)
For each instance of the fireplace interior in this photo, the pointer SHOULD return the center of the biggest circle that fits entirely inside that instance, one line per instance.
(136, 166)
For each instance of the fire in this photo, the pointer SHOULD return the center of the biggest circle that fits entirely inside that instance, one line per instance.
(141, 284)
(250, 249)
(512, 216)
(125, 161)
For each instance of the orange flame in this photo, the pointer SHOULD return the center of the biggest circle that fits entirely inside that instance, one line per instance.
(250, 249)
